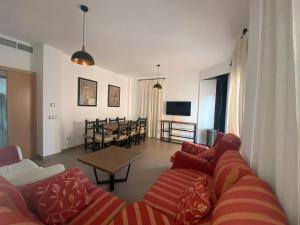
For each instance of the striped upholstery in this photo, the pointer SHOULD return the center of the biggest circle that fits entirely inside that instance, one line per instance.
(249, 202)
(164, 195)
(10, 217)
(140, 213)
(229, 169)
(102, 209)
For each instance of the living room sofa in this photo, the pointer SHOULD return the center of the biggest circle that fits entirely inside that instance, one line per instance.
(237, 197)
(201, 157)
(19, 171)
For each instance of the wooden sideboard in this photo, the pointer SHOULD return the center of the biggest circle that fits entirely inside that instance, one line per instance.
(177, 131)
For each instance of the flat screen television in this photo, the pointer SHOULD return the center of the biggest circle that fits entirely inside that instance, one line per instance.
(178, 108)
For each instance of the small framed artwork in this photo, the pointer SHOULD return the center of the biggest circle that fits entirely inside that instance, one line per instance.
(113, 96)
(87, 92)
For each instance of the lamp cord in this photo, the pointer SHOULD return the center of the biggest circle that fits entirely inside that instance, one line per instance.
(83, 30)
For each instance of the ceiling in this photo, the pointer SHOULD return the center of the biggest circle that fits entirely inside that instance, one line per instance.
(132, 36)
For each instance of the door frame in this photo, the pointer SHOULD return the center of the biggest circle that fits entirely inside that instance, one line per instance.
(34, 105)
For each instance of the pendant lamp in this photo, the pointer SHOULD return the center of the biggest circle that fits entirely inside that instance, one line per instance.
(157, 85)
(82, 57)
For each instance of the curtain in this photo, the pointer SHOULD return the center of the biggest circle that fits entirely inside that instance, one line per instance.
(150, 106)
(221, 102)
(3, 121)
(271, 144)
(236, 88)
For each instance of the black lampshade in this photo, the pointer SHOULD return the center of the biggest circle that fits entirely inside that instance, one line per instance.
(157, 85)
(83, 58)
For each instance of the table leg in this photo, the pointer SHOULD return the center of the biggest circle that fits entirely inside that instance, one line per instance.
(96, 176)
(112, 183)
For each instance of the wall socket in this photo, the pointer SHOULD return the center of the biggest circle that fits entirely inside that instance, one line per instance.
(69, 138)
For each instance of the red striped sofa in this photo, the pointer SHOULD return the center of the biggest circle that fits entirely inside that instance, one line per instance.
(241, 198)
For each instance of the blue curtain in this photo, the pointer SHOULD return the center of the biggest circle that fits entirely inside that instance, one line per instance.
(3, 121)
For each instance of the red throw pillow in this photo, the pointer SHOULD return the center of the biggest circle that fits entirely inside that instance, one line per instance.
(59, 199)
(9, 155)
(228, 142)
(186, 160)
(207, 154)
(194, 204)
(192, 148)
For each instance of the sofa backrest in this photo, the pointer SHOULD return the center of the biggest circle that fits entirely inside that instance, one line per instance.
(249, 202)
(230, 168)
(228, 141)
(218, 138)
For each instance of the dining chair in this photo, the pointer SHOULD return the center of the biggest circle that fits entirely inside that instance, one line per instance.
(101, 137)
(134, 131)
(123, 133)
(88, 134)
(142, 128)
(111, 120)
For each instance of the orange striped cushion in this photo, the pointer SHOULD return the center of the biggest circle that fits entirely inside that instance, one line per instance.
(140, 213)
(102, 209)
(230, 168)
(249, 202)
(165, 193)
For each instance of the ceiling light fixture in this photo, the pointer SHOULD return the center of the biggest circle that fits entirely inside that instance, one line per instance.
(157, 85)
(82, 57)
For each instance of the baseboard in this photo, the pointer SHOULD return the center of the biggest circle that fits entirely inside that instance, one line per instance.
(56, 154)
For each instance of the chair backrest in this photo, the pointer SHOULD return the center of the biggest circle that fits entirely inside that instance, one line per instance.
(98, 130)
(103, 121)
(133, 126)
(123, 128)
(121, 119)
(142, 123)
(89, 125)
(110, 120)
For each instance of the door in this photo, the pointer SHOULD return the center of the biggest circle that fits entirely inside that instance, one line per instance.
(3, 110)
(21, 111)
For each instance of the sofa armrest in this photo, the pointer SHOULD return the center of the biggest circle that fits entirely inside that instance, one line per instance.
(186, 160)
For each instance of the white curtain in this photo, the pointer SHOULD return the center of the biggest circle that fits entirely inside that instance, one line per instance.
(150, 106)
(236, 87)
(269, 139)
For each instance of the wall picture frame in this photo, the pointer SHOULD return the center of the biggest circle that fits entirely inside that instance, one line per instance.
(87, 92)
(113, 96)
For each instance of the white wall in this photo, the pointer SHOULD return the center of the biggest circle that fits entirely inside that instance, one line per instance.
(181, 88)
(73, 116)
(206, 114)
(52, 75)
(15, 58)
(57, 82)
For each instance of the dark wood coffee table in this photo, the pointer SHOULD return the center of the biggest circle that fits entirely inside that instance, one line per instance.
(110, 160)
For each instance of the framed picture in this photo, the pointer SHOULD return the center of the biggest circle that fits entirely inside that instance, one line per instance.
(113, 96)
(87, 92)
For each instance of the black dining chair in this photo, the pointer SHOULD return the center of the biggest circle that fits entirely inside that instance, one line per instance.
(88, 134)
(123, 133)
(134, 131)
(101, 137)
(142, 128)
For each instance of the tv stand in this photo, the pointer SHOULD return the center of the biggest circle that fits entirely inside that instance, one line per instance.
(177, 131)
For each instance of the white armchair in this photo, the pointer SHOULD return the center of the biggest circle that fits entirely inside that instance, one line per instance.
(26, 171)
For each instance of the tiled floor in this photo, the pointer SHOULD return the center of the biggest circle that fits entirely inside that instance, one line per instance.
(144, 171)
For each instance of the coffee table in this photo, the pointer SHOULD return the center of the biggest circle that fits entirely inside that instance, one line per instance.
(110, 160)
